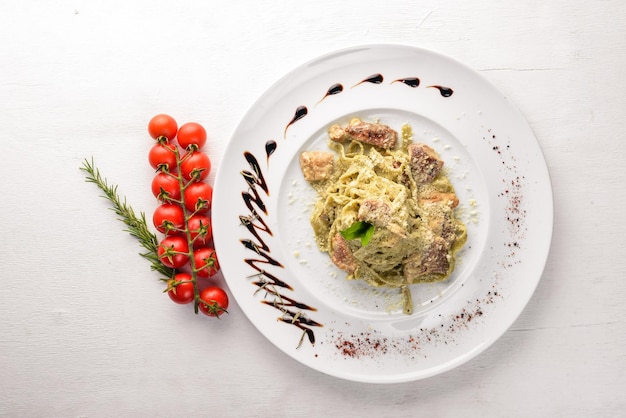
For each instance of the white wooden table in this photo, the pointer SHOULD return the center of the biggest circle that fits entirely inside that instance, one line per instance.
(85, 329)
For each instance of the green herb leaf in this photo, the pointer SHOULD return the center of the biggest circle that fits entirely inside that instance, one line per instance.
(356, 230)
(137, 224)
(365, 239)
(360, 229)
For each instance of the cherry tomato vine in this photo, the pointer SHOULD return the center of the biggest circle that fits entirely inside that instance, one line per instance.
(184, 255)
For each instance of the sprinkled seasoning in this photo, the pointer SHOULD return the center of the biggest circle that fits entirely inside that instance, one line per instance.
(515, 211)
(373, 344)
(365, 344)
(513, 185)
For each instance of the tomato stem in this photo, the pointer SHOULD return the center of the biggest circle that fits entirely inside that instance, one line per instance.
(187, 231)
(212, 306)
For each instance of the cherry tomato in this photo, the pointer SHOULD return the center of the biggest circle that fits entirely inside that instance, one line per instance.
(196, 165)
(200, 229)
(180, 288)
(162, 125)
(173, 251)
(162, 155)
(165, 186)
(198, 197)
(213, 301)
(168, 217)
(191, 133)
(206, 262)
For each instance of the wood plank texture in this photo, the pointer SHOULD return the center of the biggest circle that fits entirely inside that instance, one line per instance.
(85, 330)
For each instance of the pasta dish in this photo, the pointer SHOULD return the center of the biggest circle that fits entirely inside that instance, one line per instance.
(385, 211)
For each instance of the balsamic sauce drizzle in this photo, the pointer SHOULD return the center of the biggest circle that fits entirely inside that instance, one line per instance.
(377, 78)
(332, 90)
(410, 81)
(291, 309)
(270, 147)
(374, 79)
(445, 91)
(301, 112)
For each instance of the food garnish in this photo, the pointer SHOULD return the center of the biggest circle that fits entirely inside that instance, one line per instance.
(184, 254)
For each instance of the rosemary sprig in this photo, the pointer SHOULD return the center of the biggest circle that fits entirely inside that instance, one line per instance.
(136, 225)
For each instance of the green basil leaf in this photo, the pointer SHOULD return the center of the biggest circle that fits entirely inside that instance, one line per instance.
(367, 236)
(360, 229)
(356, 230)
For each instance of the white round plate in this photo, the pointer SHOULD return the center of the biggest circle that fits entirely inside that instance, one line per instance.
(292, 292)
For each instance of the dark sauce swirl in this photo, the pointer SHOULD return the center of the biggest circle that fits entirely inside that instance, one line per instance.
(444, 91)
(270, 148)
(260, 257)
(332, 90)
(301, 112)
(374, 79)
(410, 81)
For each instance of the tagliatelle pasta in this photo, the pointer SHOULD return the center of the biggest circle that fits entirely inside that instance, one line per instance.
(386, 210)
